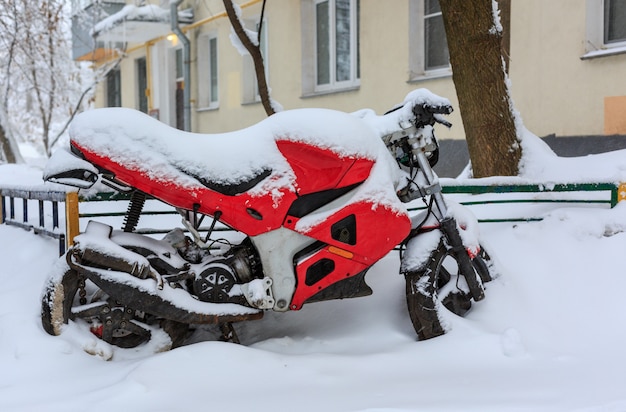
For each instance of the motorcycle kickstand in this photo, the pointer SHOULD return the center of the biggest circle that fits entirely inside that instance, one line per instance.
(228, 333)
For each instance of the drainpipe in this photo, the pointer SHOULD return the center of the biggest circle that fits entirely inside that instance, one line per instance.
(186, 64)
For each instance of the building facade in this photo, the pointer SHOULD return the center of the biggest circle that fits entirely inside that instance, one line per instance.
(566, 64)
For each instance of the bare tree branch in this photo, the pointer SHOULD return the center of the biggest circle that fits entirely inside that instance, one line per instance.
(74, 112)
(255, 52)
(76, 109)
(258, 36)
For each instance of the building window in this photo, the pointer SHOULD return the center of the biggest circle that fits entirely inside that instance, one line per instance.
(606, 28)
(250, 84)
(337, 43)
(142, 84)
(330, 44)
(179, 94)
(114, 88)
(213, 94)
(428, 46)
(208, 86)
(614, 21)
(436, 54)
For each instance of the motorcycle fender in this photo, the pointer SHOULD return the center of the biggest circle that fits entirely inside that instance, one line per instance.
(65, 168)
(419, 249)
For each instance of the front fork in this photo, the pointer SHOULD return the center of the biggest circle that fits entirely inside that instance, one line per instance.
(449, 228)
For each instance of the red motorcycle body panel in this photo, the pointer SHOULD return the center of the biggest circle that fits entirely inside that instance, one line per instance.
(352, 238)
(244, 212)
(319, 169)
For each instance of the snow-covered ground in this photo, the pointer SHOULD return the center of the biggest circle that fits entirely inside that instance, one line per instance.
(550, 335)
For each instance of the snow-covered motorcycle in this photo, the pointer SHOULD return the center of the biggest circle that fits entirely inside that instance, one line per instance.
(315, 193)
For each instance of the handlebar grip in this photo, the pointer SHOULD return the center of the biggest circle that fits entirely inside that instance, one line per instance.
(426, 114)
(426, 108)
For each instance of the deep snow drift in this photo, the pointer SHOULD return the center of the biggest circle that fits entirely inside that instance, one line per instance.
(549, 336)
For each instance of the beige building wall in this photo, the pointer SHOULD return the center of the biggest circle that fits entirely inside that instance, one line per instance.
(555, 90)
(128, 82)
(384, 82)
(384, 66)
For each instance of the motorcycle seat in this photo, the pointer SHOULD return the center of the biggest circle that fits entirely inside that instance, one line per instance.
(126, 141)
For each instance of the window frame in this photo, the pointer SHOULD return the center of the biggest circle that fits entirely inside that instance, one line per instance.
(417, 46)
(208, 93)
(621, 41)
(141, 73)
(310, 86)
(114, 81)
(596, 45)
(178, 82)
(354, 75)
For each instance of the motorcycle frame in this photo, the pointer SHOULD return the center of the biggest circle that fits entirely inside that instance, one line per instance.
(447, 223)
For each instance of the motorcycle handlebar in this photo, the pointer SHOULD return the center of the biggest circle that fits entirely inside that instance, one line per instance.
(428, 115)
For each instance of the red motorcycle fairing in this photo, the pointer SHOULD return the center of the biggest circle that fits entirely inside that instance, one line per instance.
(249, 213)
(319, 169)
(348, 251)
(353, 236)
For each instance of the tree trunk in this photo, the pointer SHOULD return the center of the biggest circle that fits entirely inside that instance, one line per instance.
(475, 44)
(8, 149)
(255, 52)
(505, 20)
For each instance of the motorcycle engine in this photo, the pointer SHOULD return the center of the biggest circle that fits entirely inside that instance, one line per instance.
(215, 282)
(217, 275)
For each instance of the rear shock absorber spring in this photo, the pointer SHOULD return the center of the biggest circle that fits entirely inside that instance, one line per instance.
(133, 213)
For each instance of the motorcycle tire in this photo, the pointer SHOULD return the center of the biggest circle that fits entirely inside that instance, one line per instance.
(69, 296)
(424, 286)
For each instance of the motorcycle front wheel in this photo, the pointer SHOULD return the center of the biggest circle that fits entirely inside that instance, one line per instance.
(436, 285)
(69, 296)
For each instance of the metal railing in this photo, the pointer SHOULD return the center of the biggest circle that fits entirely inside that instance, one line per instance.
(148, 211)
(22, 216)
(70, 227)
(617, 193)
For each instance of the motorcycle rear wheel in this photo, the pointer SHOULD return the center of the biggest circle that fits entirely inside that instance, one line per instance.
(69, 296)
(438, 284)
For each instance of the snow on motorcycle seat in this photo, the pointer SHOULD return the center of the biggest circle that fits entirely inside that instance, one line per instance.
(119, 139)
(123, 140)
(176, 167)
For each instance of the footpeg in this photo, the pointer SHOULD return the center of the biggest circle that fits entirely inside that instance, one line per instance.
(258, 293)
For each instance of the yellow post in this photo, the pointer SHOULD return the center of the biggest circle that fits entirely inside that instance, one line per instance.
(621, 192)
(72, 227)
